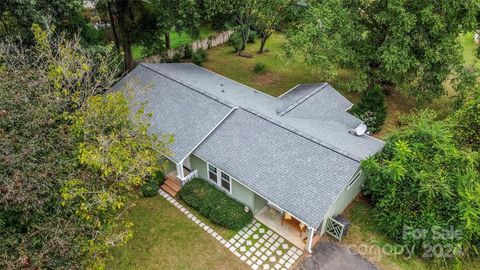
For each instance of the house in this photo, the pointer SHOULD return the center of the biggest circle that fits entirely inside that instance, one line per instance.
(294, 161)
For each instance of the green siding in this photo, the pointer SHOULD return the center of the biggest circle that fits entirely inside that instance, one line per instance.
(242, 194)
(258, 203)
(199, 165)
(345, 198)
(239, 192)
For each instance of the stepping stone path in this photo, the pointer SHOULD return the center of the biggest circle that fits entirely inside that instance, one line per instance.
(256, 245)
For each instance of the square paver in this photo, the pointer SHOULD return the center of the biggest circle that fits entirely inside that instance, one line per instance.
(279, 252)
(272, 259)
(249, 262)
(266, 267)
(243, 258)
(261, 230)
(255, 266)
(243, 249)
(284, 246)
(249, 243)
(263, 249)
(255, 236)
(261, 240)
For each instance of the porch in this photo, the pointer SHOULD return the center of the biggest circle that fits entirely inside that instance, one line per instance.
(174, 181)
(289, 228)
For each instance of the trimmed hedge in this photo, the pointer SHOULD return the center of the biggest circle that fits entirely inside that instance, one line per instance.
(149, 189)
(215, 205)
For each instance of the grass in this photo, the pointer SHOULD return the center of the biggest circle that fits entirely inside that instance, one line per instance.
(469, 48)
(364, 238)
(165, 239)
(176, 40)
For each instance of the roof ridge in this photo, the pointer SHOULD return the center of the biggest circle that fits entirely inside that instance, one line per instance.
(304, 135)
(299, 101)
(223, 102)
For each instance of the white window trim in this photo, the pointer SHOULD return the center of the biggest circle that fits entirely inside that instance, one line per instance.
(218, 183)
(354, 179)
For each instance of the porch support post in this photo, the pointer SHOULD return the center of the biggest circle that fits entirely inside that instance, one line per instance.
(180, 174)
(311, 233)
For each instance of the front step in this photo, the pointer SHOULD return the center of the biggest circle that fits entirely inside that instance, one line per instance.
(171, 186)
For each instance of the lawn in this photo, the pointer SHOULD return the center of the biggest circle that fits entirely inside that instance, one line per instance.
(163, 238)
(364, 238)
(469, 48)
(176, 40)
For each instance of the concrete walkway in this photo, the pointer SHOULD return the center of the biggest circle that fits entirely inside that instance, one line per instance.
(332, 256)
(256, 245)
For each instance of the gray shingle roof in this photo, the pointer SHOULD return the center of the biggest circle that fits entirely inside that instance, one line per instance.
(295, 150)
(298, 175)
(176, 108)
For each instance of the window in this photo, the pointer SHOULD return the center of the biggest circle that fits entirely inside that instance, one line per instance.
(225, 181)
(354, 179)
(212, 173)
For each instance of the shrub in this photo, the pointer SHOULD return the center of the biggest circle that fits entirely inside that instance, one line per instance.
(215, 205)
(252, 36)
(199, 57)
(157, 178)
(260, 68)
(371, 108)
(149, 189)
(188, 51)
(235, 41)
(176, 58)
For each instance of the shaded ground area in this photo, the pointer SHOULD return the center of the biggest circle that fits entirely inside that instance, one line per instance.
(332, 256)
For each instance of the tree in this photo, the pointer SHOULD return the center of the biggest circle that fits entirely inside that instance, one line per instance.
(17, 16)
(242, 10)
(466, 121)
(270, 16)
(371, 108)
(409, 45)
(421, 181)
(69, 156)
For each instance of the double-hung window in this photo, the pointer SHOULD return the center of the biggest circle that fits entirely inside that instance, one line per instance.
(212, 173)
(225, 181)
(220, 178)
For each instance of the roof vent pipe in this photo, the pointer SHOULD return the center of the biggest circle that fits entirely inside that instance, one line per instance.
(360, 130)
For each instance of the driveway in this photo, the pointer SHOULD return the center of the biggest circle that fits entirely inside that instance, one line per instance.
(332, 256)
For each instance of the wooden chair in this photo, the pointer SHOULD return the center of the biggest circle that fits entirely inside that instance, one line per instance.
(294, 223)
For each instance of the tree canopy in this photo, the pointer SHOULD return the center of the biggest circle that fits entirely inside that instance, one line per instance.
(69, 157)
(422, 182)
(410, 45)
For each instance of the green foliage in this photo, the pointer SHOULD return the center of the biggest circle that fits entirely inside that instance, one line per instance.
(66, 175)
(199, 57)
(466, 122)
(260, 68)
(149, 189)
(371, 108)
(188, 51)
(157, 178)
(236, 41)
(411, 45)
(215, 204)
(421, 180)
(252, 36)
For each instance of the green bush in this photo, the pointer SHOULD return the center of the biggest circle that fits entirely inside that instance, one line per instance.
(149, 189)
(252, 36)
(260, 68)
(157, 178)
(215, 205)
(236, 41)
(199, 57)
(371, 108)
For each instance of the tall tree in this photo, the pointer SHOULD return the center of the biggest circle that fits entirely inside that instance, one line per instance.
(270, 16)
(66, 174)
(410, 45)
